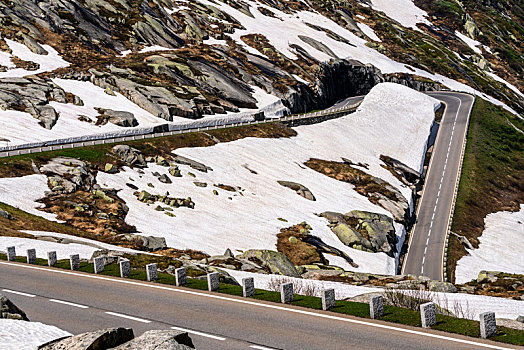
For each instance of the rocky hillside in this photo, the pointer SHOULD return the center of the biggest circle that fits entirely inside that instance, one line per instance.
(190, 59)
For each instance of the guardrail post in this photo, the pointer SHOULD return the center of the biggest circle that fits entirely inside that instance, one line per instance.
(213, 282)
(428, 315)
(74, 261)
(98, 264)
(51, 258)
(287, 294)
(376, 307)
(248, 287)
(31, 256)
(11, 253)
(328, 299)
(151, 272)
(180, 276)
(488, 325)
(125, 268)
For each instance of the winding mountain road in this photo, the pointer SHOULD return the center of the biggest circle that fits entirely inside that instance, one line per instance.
(427, 242)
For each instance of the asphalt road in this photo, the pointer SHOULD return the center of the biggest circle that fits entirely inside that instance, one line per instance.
(79, 302)
(428, 237)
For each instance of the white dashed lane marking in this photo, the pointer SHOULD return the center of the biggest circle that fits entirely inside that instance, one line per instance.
(19, 293)
(127, 317)
(199, 333)
(68, 303)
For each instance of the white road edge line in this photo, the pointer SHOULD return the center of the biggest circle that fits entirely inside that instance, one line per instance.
(128, 317)
(68, 303)
(254, 303)
(199, 333)
(19, 293)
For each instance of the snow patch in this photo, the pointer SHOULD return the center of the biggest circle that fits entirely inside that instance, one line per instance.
(23, 335)
(404, 12)
(47, 63)
(23, 192)
(370, 33)
(473, 44)
(500, 248)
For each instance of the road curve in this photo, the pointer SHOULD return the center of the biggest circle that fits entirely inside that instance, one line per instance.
(79, 302)
(427, 242)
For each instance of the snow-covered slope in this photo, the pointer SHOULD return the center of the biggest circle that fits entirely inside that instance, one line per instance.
(385, 124)
(500, 249)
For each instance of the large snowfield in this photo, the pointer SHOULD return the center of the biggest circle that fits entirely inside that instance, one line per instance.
(385, 124)
(249, 218)
(501, 247)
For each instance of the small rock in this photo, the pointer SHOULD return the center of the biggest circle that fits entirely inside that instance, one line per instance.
(110, 168)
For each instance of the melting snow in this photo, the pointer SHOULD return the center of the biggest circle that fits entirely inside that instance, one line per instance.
(249, 219)
(404, 12)
(500, 249)
(23, 335)
(47, 63)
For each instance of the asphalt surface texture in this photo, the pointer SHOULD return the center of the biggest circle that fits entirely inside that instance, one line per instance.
(79, 302)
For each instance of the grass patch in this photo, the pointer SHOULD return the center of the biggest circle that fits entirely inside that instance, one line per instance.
(492, 178)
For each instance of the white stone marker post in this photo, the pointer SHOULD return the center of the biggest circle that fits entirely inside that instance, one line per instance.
(180, 276)
(286, 293)
(213, 281)
(376, 306)
(428, 315)
(31, 256)
(488, 325)
(152, 272)
(11, 253)
(328, 299)
(74, 261)
(51, 258)
(248, 287)
(125, 268)
(98, 264)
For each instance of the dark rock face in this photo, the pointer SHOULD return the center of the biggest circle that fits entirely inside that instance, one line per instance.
(337, 79)
(10, 310)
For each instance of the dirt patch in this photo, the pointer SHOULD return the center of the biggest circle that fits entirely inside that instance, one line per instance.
(364, 183)
(289, 242)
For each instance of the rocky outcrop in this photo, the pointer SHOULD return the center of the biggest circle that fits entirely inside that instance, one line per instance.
(159, 340)
(67, 175)
(120, 118)
(10, 310)
(6, 215)
(301, 190)
(192, 163)
(123, 339)
(364, 231)
(149, 243)
(276, 262)
(146, 197)
(130, 156)
(101, 339)
(32, 95)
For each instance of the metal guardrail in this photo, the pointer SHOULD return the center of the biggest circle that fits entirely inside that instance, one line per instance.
(113, 138)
